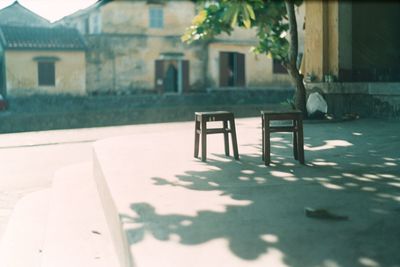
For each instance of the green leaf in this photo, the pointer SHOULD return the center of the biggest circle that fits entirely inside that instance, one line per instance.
(246, 19)
(268, 16)
(200, 18)
(250, 10)
(234, 18)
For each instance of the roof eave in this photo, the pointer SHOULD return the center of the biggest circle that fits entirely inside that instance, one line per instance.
(42, 49)
(80, 12)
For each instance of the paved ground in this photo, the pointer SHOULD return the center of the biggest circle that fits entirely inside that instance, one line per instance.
(353, 169)
(29, 160)
(242, 213)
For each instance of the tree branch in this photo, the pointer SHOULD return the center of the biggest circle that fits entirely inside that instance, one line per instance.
(294, 42)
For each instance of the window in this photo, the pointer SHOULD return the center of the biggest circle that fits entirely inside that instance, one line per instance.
(86, 26)
(278, 68)
(46, 73)
(95, 23)
(156, 15)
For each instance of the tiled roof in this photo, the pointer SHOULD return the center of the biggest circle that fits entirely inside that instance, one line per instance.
(17, 15)
(57, 38)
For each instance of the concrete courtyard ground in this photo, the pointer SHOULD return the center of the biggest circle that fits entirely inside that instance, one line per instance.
(29, 160)
(238, 213)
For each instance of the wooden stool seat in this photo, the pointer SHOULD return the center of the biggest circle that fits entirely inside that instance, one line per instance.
(296, 128)
(228, 127)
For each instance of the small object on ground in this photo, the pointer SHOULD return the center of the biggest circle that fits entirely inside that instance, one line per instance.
(329, 117)
(324, 214)
(316, 106)
(350, 116)
(317, 115)
(96, 232)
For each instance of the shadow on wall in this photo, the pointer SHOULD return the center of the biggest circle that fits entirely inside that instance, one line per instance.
(356, 175)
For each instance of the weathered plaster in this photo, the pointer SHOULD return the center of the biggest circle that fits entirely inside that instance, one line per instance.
(258, 67)
(22, 73)
(122, 57)
(322, 38)
(132, 17)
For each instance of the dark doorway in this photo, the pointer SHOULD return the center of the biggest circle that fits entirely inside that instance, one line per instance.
(231, 69)
(171, 79)
(172, 76)
(375, 42)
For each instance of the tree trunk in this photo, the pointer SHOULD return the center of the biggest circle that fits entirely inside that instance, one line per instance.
(291, 64)
(300, 94)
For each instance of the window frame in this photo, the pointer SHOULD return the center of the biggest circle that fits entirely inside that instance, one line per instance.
(277, 67)
(44, 77)
(156, 17)
(95, 24)
(86, 25)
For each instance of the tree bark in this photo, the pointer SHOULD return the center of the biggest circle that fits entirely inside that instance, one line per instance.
(291, 64)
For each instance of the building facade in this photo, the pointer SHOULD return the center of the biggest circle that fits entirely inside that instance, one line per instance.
(41, 60)
(37, 58)
(136, 45)
(352, 55)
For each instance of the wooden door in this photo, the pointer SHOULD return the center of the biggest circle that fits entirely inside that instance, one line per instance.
(185, 76)
(159, 76)
(224, 69)
(240, 70)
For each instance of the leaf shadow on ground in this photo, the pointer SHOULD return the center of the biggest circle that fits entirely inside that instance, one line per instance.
(355, 174)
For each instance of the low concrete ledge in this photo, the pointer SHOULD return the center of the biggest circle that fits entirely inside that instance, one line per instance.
(375, 88)
(377, 99)
(76, 230)
(115, 227)
(45, 112)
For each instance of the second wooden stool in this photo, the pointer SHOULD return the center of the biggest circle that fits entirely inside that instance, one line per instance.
(228, 126)
(296, 128)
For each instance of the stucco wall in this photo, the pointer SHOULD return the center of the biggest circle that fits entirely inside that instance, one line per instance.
(132, 17)
(352, 40)
(239, 34)
(22, 72)
(322, 38)
(333, 38)
(128, 62)
(122, 56)
(258, 70)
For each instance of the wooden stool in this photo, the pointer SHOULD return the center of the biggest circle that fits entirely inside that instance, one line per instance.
(201, 119)
(296, 128)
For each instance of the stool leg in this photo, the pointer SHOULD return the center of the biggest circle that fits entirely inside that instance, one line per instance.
(196, 138)
(262, 137)
(234, 139)
(295, 138)
(203, 140)
(226, 137)
(300, 141)
(267, 143)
